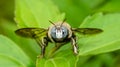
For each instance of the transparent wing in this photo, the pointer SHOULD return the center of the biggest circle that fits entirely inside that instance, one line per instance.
(31, 32)
(87, 31)
(38, 34)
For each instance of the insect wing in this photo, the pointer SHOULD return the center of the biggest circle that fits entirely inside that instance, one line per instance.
(87, 31)
(31, 32)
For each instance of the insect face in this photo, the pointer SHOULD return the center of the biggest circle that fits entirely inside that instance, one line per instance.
(59, 32)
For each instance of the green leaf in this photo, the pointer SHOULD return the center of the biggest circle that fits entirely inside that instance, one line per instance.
(75, 10)
(6, 61)
(63, 58)
(93, 4)
(8, 29)
(109, 6)
(11, 55)
(36, 13)
(107, 41)
(106, 59)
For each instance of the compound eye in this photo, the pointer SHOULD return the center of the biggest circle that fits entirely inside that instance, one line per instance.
(53, 32)
(64, 32)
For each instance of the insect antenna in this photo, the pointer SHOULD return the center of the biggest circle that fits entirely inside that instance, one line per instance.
(52, 23)
(63, 22)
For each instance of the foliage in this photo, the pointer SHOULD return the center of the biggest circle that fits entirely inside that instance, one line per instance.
(101, 50)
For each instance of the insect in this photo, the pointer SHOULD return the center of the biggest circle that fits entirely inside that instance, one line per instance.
(59, 33)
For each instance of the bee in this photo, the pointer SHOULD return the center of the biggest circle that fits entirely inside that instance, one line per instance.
(59, 33)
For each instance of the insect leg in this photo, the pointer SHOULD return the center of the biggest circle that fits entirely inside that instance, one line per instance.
(42, 43)
(54, 49)
(74, 45)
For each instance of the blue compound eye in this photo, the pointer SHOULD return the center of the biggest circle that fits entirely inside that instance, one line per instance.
(53, 32)
(59, 33)
(64, 32)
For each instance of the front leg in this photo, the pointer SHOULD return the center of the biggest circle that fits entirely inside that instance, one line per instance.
(74, 45)
(42, 43)
(54, 49)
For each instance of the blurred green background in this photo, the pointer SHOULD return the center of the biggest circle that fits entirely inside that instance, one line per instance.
(75, 11)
